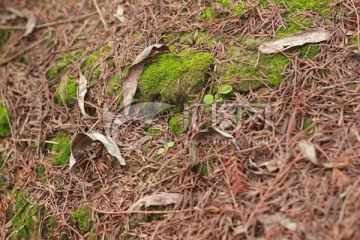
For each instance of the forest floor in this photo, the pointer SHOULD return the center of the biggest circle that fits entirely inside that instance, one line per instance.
(281, 152)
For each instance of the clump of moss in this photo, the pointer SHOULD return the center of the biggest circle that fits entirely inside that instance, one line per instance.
(239, 8)
(354, 40)
(25, 222)
(309, 51)
(294, 24)
(176, 125)
(66, 93)
(81, 219)
(201, 170)
(173, 78)
(5, 119)
(246, 72)
(67, 58)
(62, 149)
(154, 132)
(4, 36)
(320, 6)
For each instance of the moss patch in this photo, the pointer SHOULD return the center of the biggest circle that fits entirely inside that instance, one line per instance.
(25, 223)
(320, 6)
(5, 119)
(81, 219)
(154, 132)
(309, 51)
(176, 125)
(354, 40)
(62, 150)
(173, 78)
(294, 24)
(246, 72)
(66, 93)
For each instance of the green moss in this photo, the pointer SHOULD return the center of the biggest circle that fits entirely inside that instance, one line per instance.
(4, 37)
(309, 51)
(294, 25)
(320, 6)
(40, 171)
(55, 71)
(354, 40)
(49, 227)
(66, 92)
(154, 132)
(172, 78)
(307, 123)
(113, 85)
(201, 170)
(81, 219)
(225, 4)
(176, 125)
(5, 119)
(246, 72)
(25, 222)
(62, 149)
(239, 8)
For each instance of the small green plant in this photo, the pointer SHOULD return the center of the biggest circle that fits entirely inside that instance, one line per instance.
(219, 96)
(166, 147)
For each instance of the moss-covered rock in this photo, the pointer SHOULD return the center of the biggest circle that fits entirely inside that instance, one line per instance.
(66, 92)
(25, 223)
(81, 219)
(5, 119)
(61, 150)
(172, 78)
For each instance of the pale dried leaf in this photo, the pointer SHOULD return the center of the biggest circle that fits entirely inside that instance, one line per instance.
(30, 24)
(299, 39)
(82, 90)
(268, 220)
(82, 140)
(210, 133)
(308, 150)
(132, 79)
(160, 199)
(119, 14)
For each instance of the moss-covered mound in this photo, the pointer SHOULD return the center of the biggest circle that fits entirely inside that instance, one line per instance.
(81, 219)
(172, 78)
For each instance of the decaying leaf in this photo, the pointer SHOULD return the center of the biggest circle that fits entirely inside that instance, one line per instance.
(119, 14)
(198, 137)
(25, 13)
(82, 140)
(132, 79)
(265, 167)
(82, 90)
(308, 150)
(268, 220)
(160, 199)
(299, 39)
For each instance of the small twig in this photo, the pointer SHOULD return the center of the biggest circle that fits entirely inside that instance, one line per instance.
(101, 16)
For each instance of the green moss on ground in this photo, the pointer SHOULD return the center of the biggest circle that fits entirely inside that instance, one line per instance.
(25, 223)
(4, 37)
(173, 78)
(309, 51)
(246, 71)
(66, 93)
(154, 132)
(81, 219)
(294, 24)
(201, 170)
(354, 40)
(5, 119)
(62, 150)
(67, 59)
(320, 6)
(176, 125)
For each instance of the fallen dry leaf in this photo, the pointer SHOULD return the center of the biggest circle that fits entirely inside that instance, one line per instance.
(82, 140)
(119, 14)
(82, 90)
(132, 79)
(299, 39)
(278, 218)
(160, 199)
(308, 150)
(25, 13)
(202, 135)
